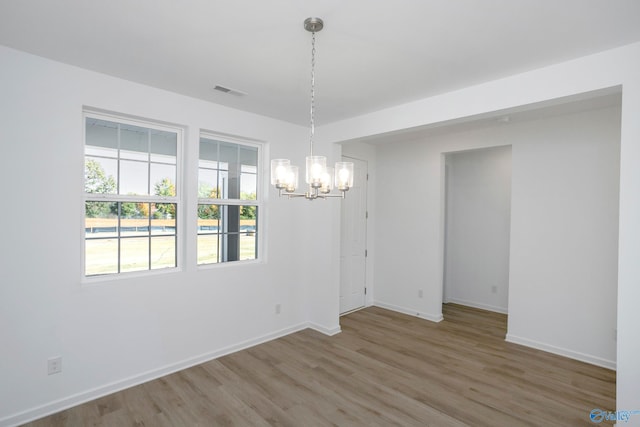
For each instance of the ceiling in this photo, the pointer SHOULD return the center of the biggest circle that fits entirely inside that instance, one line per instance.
(372, 54)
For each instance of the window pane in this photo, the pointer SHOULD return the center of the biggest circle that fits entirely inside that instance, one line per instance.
(134, 177)
(164, 146)
(248, 186)
(163, 214)
(248, 217)
(101, 243)
(230, 218)
(134, 219)
(208, 149)
(229, 179)
(208, 248)
(134, 142)
(101, 137)
(248, 173)
(99, 175)
(163, 178)
(100, 218)
(134, 254)
(163, 252)
(208, 237)
(223, 184)
(207, 180)
(101, 256)
(248, 156)
(248, 246)
(228, 153)
(248, 232)
(208, 215)
(163, 231)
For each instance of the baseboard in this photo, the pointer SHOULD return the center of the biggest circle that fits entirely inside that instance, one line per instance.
(587, 358)
(86, 396)
(409, 311)
(325, 330)
(481, 306)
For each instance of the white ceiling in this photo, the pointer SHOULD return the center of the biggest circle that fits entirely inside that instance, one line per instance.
(372, 54)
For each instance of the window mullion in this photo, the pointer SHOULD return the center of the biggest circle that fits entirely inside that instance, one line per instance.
(119, 234)
(149, 233)
(98, 197)
(118, 169)
(149, 164)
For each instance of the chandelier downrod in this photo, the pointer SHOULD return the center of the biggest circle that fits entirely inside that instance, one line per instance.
(313, 91)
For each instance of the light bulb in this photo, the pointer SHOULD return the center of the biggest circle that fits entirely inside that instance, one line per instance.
(327, 181)
(316, 171)
(343, 176)
(316, 166)
(291, 182)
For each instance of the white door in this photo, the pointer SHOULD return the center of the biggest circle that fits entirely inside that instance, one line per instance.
(354, 240)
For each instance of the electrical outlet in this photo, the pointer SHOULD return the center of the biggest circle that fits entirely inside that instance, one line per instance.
(420, 294)
(278, 308)
(54, 365)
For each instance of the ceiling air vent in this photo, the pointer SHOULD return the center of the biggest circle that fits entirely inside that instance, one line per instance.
(228, 90)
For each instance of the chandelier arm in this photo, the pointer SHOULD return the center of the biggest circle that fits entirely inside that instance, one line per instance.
(312, 194)
(332, 196)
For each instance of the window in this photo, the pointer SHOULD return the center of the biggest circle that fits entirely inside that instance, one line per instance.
(131, 200)
(228, 201)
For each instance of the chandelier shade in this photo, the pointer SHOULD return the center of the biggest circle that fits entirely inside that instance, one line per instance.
(344, 175)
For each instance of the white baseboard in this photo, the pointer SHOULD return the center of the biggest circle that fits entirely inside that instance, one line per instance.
(594, 360)
(478, 305)
(86, 396)
(409, 311)
(325, 330)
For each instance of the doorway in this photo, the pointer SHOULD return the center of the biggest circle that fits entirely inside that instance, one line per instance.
(353, 243)
(477, 228)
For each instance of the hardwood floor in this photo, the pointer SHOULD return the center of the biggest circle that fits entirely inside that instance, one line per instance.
(385, 368)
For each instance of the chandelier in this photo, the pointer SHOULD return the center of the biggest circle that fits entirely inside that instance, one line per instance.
(320, 178)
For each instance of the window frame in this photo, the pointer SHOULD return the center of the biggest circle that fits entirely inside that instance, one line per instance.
(124, 119)
(258, 202)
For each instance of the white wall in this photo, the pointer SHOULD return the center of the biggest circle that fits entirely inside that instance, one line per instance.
(628, 350)
(561, 270)
(120, 332)
(478, 218)
(564, 236)
(545, 86)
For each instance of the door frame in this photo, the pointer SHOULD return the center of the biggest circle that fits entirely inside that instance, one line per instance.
(365, 196)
